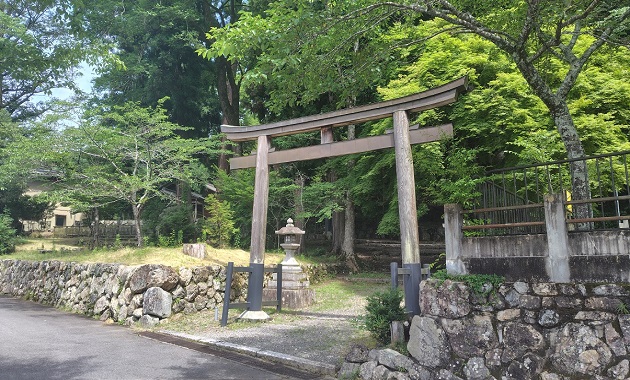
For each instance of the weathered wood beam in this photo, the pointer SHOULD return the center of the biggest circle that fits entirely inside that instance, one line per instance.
(408, 215)
(341, 148)
(261, 196)
(432, 98)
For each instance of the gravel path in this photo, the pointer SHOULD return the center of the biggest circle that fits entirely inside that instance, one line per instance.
(324, 337)
(319, 339)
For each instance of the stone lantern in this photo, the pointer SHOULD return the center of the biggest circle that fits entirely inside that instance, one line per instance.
(295, 291)
(291, 244)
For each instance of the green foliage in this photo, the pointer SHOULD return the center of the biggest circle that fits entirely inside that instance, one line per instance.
(481, 284)
(382, 309)
(39, 54)
(219, 223)
(128, 154)
(177, 223)
(7, 235)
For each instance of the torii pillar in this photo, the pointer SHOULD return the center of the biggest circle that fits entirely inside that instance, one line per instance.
(407, 212)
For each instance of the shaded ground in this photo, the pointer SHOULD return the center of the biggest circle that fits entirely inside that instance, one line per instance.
(323, 332)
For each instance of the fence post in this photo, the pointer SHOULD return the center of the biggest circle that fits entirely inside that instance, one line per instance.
(453, 223)
(227, 294)
(557, 260)
(393, 267)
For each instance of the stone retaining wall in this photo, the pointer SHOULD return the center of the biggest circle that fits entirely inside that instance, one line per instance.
(125, 294)
(547, 331)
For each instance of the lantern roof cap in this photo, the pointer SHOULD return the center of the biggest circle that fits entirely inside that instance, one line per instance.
(290, 229)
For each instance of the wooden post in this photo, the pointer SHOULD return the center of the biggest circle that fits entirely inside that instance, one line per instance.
(409, 239)
(326, 134)
(557, 260)
(261, 197)
(453, 223)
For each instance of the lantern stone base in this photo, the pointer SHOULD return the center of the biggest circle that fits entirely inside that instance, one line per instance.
(291, 298)
(254, 316)
(295, 291)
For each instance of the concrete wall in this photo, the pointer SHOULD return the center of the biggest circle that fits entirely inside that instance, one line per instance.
(559, 255)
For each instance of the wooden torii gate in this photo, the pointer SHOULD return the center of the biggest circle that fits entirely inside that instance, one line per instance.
(401, 140)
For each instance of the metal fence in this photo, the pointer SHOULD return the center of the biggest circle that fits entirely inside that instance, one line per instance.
(511, 200)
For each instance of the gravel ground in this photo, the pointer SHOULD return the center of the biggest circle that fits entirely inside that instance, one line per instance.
(324, 337)
(325, 340)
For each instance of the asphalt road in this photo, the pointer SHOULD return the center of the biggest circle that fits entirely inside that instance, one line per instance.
(39, 342)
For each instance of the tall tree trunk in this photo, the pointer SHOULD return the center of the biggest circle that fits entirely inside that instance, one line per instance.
(338, 221)
(556, 103)
(299, 209)
(348, 235)
(579, 172)
(137, 211)
(347, 248)
(228, 90)
(96, 235)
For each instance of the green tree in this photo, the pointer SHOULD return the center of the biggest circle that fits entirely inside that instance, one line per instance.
(7, 235)
(542, 39)
(127, 154)
(219, 224)
(38, 53)
(156, 43)
(550, 43)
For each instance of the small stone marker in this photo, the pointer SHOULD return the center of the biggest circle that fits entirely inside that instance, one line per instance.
(197, 250)
(397, 330)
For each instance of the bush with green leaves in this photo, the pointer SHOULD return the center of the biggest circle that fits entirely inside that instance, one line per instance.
(219, 224)
(7, 235)
(382, 309)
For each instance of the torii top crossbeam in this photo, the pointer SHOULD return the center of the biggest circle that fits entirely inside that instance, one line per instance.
(425, 100)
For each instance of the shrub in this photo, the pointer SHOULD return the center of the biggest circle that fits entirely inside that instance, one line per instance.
(7, 235)
(219, 224)
(382, 309)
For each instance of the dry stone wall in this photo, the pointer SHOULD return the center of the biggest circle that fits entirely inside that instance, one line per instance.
(125, 294)
(546, 331)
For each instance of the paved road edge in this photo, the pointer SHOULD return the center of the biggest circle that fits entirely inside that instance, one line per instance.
(290, 360)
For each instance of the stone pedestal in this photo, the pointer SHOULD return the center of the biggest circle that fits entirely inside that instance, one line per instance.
(295, 291)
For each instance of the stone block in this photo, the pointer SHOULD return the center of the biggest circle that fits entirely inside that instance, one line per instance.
(476, 369)
(471, 337)
(610, 290)
(291, 298)
(148, 321)
(448, 299)
(200, 274)
(153, 275)
(602, 304)
(548, 318)
(157, 302)
(530, 302)
(568, 302)
(101, 305)
(358, 354)
(518, 339)
(197, 250)
(428, 343)
(614, 340)
(508, 315)
(579, 352)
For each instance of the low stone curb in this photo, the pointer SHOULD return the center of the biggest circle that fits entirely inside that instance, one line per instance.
(276, 357)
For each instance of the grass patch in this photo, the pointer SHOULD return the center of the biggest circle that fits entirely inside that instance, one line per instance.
(30, 250)
(339, 294)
